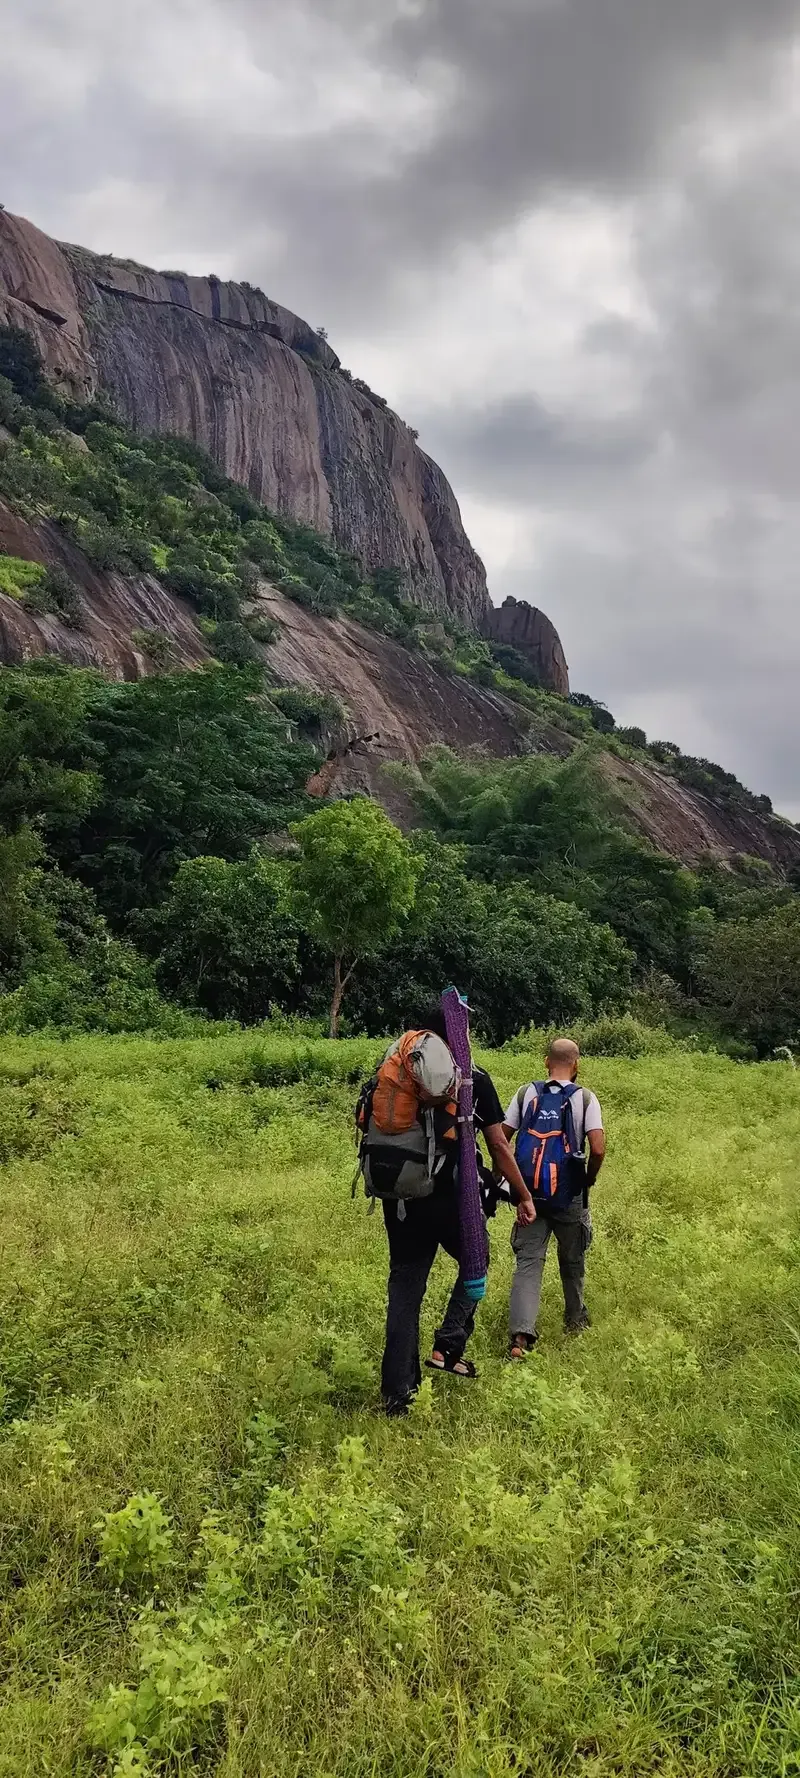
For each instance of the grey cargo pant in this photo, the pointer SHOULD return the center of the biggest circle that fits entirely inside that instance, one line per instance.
(572, 1228)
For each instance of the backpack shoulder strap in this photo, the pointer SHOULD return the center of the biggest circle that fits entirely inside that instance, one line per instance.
(585, 1096)
(536, 1087)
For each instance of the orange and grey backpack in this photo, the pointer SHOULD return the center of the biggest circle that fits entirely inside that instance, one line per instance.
(407, 1118)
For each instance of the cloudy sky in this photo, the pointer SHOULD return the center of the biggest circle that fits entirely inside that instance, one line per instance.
(563, 238)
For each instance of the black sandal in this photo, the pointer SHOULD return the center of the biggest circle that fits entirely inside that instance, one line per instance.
(457, 1367)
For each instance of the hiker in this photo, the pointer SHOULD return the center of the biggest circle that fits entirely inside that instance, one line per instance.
(553, 1121)
(417, 1225)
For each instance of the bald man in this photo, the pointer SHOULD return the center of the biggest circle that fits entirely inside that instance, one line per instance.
(553, 1121)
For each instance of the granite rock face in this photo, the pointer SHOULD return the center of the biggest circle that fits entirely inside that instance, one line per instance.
(525, 628)
(256, 387)
(118, 611)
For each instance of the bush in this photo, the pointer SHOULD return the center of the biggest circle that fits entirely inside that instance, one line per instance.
(64, 597)
(225, 939)
(20, 579)
(21, 365)
(321, 600)
(69, 999)
(136, 1542)
(622, 1035)
(9, 404)
(307, 707)
(748, 971)
(234, 645)
(160, 649)
(263, 629)
(316, 1065)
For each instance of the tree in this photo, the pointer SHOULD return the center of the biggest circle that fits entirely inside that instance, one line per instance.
(225, 937)
(646, 897)
(520, 957)
(21, 363)
(41, 710)
(355, 885)
(192, 765)
(748, 973)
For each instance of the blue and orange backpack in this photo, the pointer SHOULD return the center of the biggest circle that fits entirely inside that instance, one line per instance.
(547, 1151)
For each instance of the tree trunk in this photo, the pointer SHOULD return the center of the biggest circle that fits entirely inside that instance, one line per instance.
(339, 984)
(338, 990)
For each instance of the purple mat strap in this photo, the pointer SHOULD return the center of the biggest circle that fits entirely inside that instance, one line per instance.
(473, 1226)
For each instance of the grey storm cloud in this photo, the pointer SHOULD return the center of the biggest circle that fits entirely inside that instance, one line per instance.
(616, 395)
(517, 448)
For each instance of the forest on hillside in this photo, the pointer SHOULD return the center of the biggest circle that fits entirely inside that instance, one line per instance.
(161, 861)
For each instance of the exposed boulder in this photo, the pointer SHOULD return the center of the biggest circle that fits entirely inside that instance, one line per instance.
(531, 634)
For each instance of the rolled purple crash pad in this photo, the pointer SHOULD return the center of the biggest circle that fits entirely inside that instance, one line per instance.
(470, 1206)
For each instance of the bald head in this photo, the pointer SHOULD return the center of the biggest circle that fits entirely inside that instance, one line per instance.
(563, 1057)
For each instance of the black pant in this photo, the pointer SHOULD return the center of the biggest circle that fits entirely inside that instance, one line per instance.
(429, 1223)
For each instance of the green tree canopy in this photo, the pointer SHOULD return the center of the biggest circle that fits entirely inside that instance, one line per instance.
(355, 884)
(191, 764)
(225, 938)
(519, 956)
(748, 973)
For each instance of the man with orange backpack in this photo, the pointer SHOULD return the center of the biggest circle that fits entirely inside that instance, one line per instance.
(408, 1117)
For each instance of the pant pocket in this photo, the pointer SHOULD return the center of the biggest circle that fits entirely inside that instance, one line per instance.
(587, 1231)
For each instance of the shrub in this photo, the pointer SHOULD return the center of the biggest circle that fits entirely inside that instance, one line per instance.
(307, 707)
(749, 976)
(160, 649)
(21, 365)
(620, 1035)
(136, 1542)
(234, 644)
(321, 600)
(263, 629)
(70, 998)
(225, 937)
(19, 578)
(64, 596)
(9, 404)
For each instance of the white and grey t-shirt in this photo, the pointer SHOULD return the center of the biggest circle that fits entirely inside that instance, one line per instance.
(586, 1111)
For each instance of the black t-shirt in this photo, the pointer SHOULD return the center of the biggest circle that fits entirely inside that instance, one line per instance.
(487, 1111)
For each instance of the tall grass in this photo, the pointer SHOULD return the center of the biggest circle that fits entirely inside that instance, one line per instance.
(217, 1558)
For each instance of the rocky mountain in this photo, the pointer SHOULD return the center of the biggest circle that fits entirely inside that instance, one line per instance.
(262, 391)
(224, 366)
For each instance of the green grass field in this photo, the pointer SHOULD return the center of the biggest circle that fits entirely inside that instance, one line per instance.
(589, 1564)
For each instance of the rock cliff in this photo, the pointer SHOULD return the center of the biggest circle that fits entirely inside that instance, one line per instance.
(266, 396)
(260, 390)
(526, 629)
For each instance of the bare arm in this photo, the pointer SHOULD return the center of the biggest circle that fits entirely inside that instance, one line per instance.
(500, 1150)
(597, 1154)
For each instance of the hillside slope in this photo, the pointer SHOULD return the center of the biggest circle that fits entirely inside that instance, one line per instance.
(259, 389)
(395, 702)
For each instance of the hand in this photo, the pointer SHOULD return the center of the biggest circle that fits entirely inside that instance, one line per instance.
(526, 1211)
